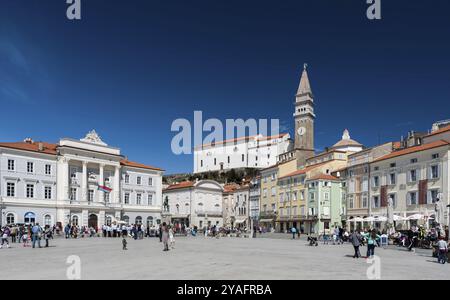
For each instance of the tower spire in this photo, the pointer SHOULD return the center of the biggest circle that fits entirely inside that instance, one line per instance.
(305, 86)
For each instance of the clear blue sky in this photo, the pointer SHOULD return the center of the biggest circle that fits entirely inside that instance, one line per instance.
(129, 68)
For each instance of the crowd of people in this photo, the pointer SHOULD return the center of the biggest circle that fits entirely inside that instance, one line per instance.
(28, 235)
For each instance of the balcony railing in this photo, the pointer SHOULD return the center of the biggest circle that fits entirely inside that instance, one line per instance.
(208, 213)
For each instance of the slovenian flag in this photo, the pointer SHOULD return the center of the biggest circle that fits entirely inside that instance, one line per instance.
(104, 189)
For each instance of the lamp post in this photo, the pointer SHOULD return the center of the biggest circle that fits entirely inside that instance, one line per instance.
(2, 207)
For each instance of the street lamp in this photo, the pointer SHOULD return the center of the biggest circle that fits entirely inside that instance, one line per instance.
(2, 207)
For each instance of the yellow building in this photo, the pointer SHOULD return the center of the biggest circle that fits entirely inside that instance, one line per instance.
(268, 200)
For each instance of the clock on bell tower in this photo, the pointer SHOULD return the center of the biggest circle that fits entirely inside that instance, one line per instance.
(304, 120)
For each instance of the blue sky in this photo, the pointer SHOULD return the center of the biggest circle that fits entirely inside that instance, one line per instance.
(129, 68)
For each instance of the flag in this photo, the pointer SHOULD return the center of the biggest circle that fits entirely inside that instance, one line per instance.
(104, 189)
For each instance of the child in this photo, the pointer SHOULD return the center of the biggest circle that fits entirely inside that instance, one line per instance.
(124, 244)
(25, 239)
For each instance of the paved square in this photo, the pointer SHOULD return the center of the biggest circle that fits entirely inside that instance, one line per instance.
(200, 258)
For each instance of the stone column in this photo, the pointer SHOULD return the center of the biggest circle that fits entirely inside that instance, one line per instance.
(101, 219)
(101, 182)
(84, 217)
(84, 183)
(116, 188)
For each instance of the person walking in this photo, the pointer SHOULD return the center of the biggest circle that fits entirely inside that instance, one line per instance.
(355, 239)
(5, 233)
(67, 231)
(442, 248)
(372, 238)
(47, 235)
(293, 231)
(165, 236)
(171, 238)
(36, 232)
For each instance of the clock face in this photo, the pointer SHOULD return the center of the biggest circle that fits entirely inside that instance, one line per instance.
(301, 131)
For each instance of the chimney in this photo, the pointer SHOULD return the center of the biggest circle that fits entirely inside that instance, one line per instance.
(28, 140)
(41, 147)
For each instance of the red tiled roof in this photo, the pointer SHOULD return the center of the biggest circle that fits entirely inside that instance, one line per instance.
(303, 171)
(32, 147)
(128, 163)
(263, 138)
(181, 185)
(414, 149)
(324, 177)
(443, 129)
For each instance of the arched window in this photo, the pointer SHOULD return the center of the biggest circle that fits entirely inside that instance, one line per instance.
(138, 221)
(47, 220)
(10, 219)
(149, 221)
(75, 220)
(30, 218)
(126, 219)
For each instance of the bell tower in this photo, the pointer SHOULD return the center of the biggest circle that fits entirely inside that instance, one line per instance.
(304, 120)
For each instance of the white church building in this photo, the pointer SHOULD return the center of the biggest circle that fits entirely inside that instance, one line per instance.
(84, 182)
(257, 152)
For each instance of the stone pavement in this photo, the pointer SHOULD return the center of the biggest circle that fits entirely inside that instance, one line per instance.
(210, 258)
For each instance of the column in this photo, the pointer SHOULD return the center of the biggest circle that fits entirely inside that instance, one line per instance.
(84, 183)
(84, 217)
(101, 182)
(116, 188)
(101, 218)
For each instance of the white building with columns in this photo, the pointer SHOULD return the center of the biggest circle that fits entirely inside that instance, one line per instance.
(84, 182)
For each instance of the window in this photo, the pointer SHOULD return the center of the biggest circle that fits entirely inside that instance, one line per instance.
(302, 195)
(376, 181)
(30, 191)
(48, 170)
(376, 168)
(215, 161)
(10, 219)
(433, 196)
(413, 161)
(311, 196)
(75, 220)
(351, 203)
(201, 163)
(11, 165)
(138, 180)
(265, 193)
(138, 199)
(10, 189)
(91, 196)
(393, 165)
(392, 178)
(376, 201)
(273, 207)
(48, 192)
(73, 173)
(274, 176)
(73, 194)
(127, 198)
(412, 198)
(434, 172)
(47, 220)
(228, 159)
(127, 178)
(274, 191)
(435, 156)
(281, 197)
(413, 175)
(294, 196)
(394, 200)
(30, 167)
(106, 197)
(326, 196)
(365, 203)
(243, 157)
(150, 199)
(150, 181)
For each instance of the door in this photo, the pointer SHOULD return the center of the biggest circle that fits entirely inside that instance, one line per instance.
(93, 221)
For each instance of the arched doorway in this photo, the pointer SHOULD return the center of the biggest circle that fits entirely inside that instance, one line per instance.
(138, 221)
(93, 221)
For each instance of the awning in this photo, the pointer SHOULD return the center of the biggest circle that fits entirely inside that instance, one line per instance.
(240, 221)
(266, 220)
